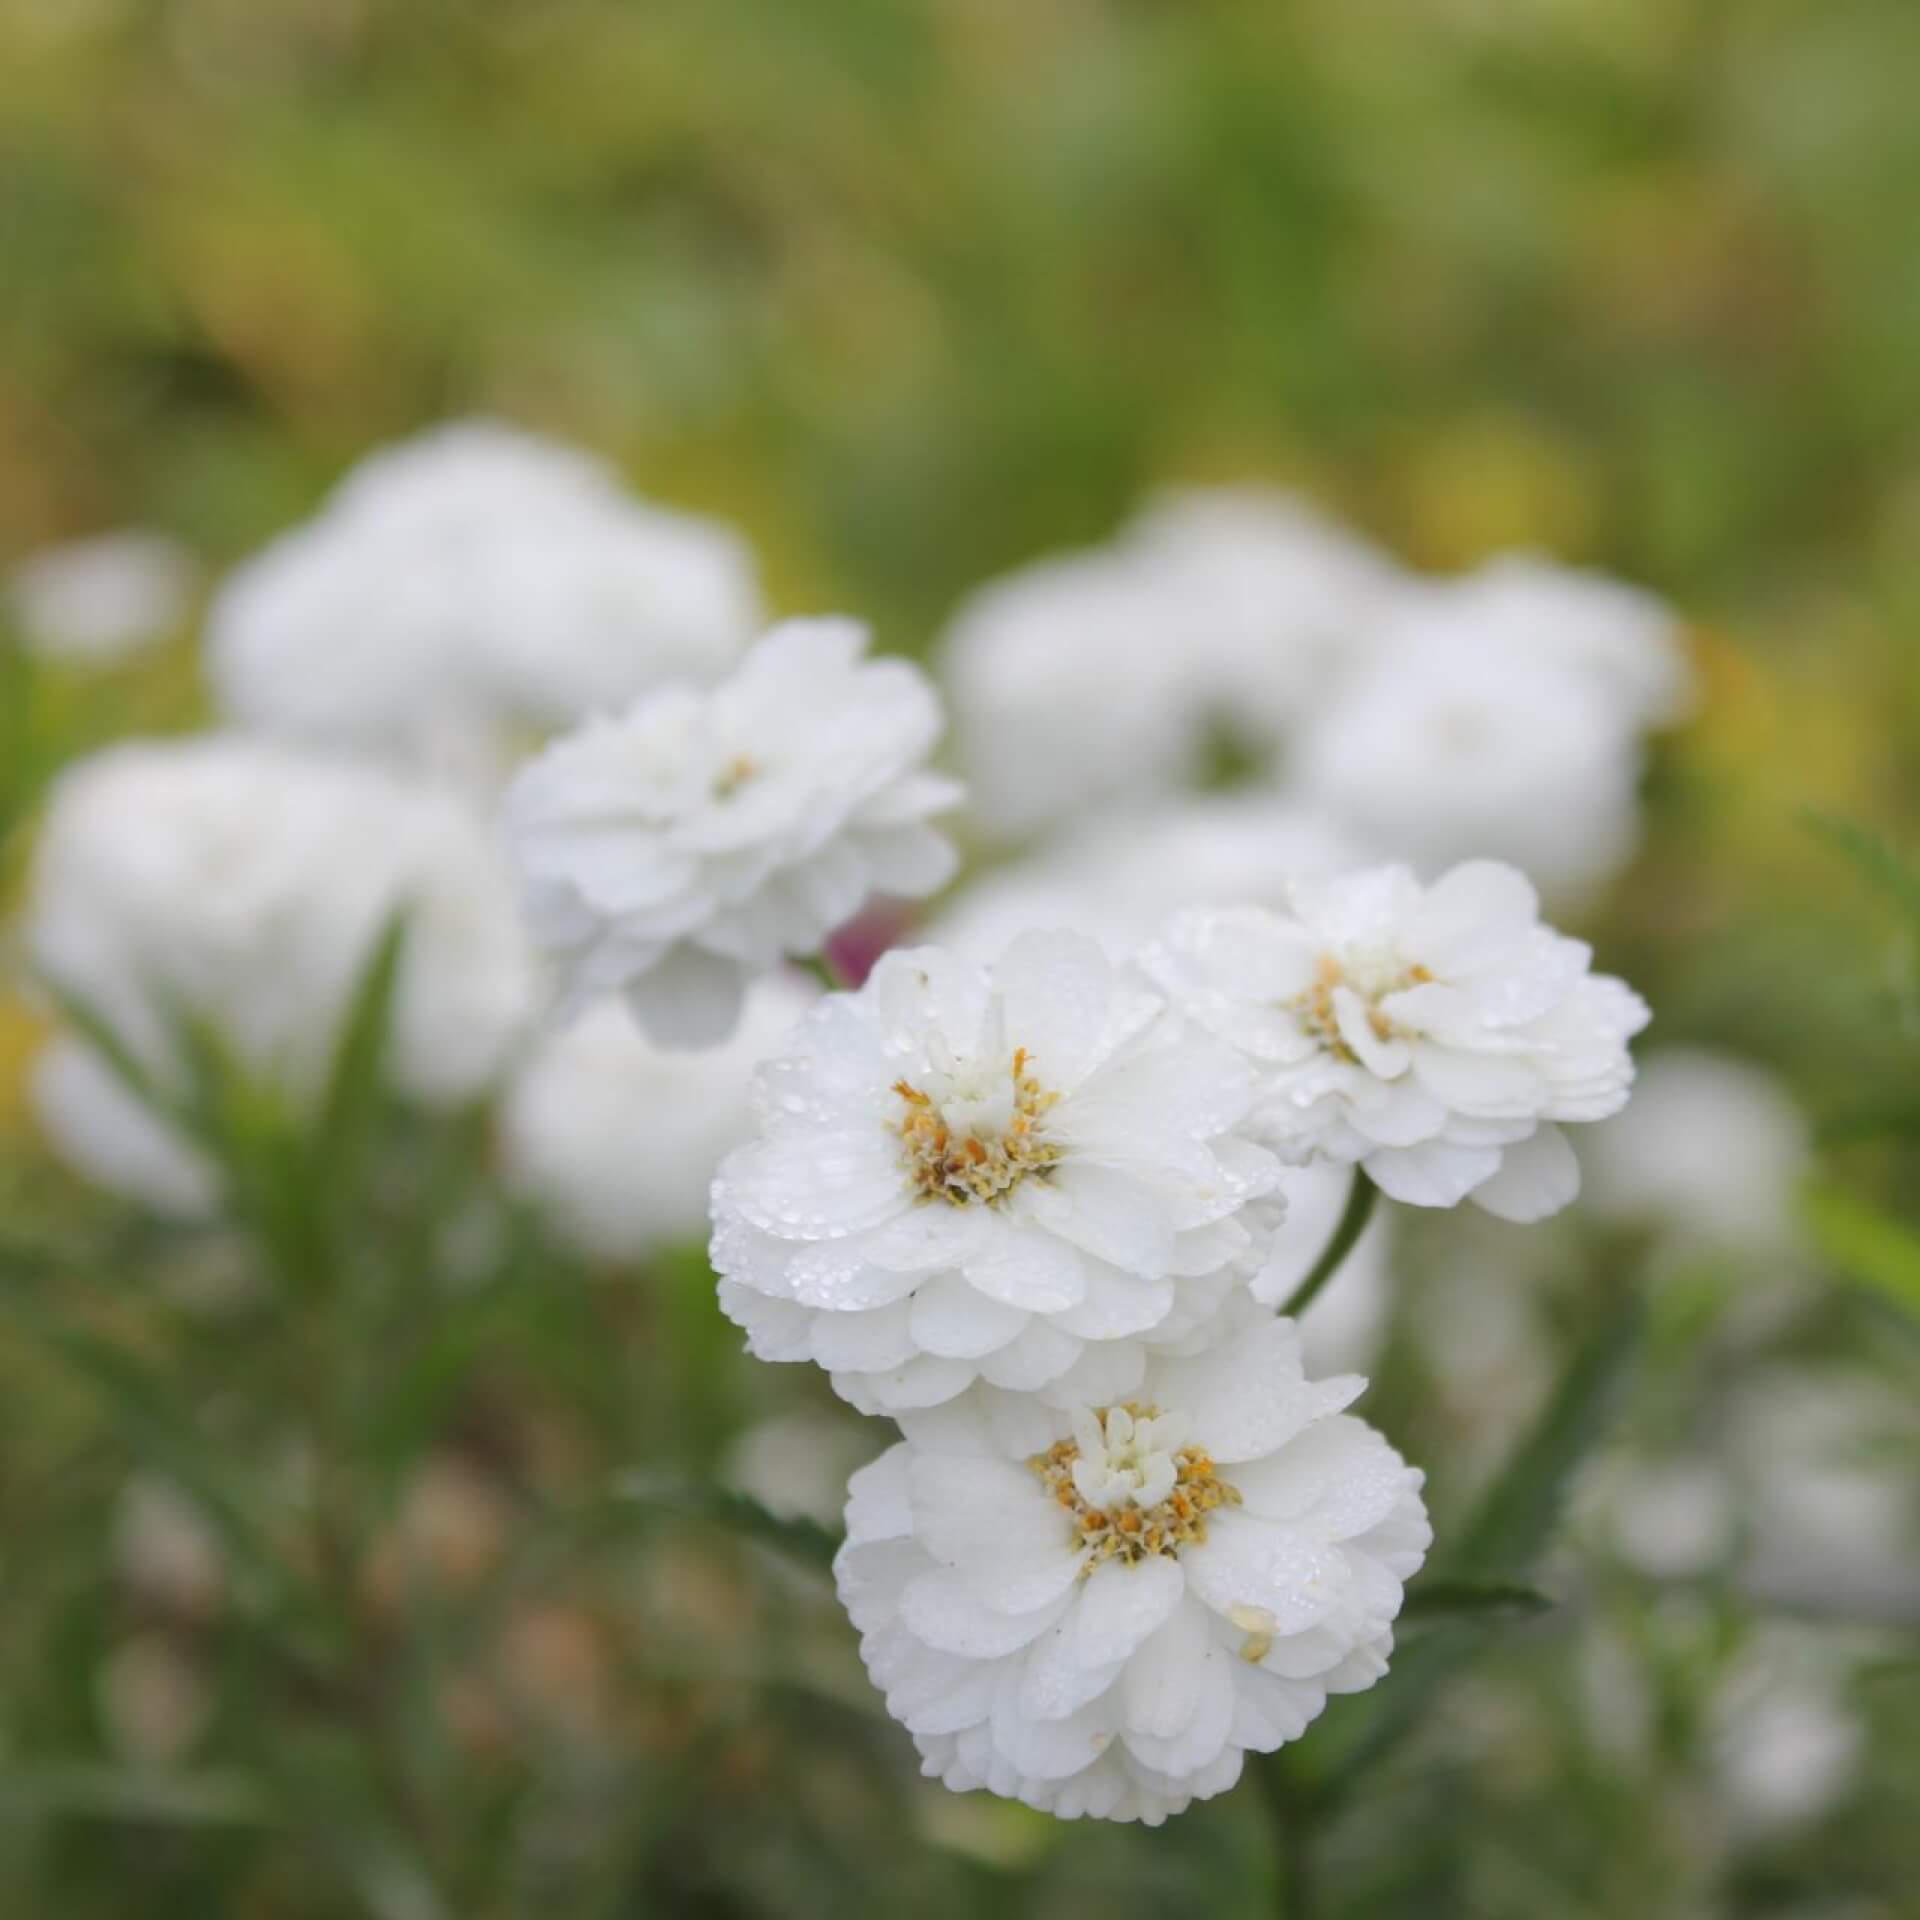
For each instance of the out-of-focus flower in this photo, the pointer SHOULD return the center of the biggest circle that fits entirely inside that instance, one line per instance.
(1100, 1612)
(1448, 746)
(166, 1551)
(1672, 1518)
(796, 1464)
(101, 599)
(1711, 1151)
(617, 1139)
(467, 591)
(154, 1700)
(1786, 1744)
(1435, 1035)
(1623, 642)
(111, 1139)
(1111, 673)
(244, 886)
(1016, 1174)
(677, 852)
(1120, 880)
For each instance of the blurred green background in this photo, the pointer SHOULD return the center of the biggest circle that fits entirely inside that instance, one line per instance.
(913, 290)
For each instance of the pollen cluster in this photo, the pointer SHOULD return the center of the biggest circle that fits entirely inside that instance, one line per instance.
(977, 1164)
(1321, 1018)
(1133, 1533)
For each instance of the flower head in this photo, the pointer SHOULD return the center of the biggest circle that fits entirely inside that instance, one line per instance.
(465, 592)
(244, 886)
(679, 850)
(101, 599)
(1433, 1034)
(1019, 1174)
(1100, 1610)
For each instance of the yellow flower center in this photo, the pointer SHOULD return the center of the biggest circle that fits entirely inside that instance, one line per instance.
(1321, 1017)
(1127, 1531)
(985, 1156)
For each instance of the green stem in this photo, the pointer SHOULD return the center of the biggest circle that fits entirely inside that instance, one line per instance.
(821, 968)
(1353, 1223)
(1292, 1840)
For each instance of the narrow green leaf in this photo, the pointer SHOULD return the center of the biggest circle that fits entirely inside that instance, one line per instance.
(801, 1540)
(1868, 1246)
(1517, 1515)
(1883, 865)
(98, 1032)
(351, 1103)
(1472, 1599)
(120, 1793)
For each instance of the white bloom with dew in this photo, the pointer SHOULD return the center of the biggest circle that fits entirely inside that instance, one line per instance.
(1448, 745)
(616, 1139)
(465, 592)
(1712, 1151)
(1101, 1611)
(1435, 1035)
(101, 599)
(1101, 675)
(245, 886)
(1020, 1174)
(680, 850)
(1120, 880)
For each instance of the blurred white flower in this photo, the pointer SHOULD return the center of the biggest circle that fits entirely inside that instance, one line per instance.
(1621, 640)
(110, 1138)
(1118, 881)
(1110, 673)
(1435, 1035)
(467, 591)
(1016, 1174)
(1711, 1151)
(678, 851)
(617, 1139)
(1100, 1612)
(103, 598)
(1787, 1746)
(245, 886)
(1672, 1518)
(797, 1464)
(1449, 745)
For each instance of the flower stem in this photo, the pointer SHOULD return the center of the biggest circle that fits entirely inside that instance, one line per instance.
(821, 968)
(1353, 1223)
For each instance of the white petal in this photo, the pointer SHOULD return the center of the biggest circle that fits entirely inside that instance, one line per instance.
(1537, 1178)
(1252, 1566)
(689, 998)
(953, 1319)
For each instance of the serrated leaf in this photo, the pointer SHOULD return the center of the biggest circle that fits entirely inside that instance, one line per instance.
(801, 1540)
(1516, 1516)
(1870, 1247)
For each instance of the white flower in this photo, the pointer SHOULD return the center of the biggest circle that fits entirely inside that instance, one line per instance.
(1712, 1150)
(1450, 744)
(676, 852)
(1434, 1035)
(103, 598)
(1786, 1742)
(467, 591)
(1623, 641)
(1111, 673)
(1018, 1175)
(1100, 1612)
(108, 1136)
(796, 1464)
(1119, 880)
(244, 885)
(617, 1139)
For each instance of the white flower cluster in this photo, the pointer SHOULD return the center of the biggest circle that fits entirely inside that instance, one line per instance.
(244, 885)
(678, 850)
(1498, 715)
(464, 593)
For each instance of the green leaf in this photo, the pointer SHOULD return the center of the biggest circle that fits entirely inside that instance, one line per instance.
(801, 1540)
(351, 1103)
(1517, 1515)
(1473, 1599)
(93, 1027)
(1883, 865)
(1868, 1246)
(121, 1793)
